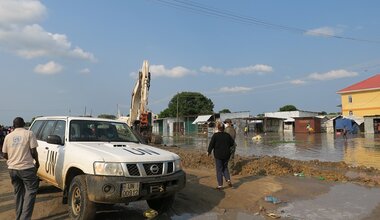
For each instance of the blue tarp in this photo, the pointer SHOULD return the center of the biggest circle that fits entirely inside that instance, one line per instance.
(350, 125)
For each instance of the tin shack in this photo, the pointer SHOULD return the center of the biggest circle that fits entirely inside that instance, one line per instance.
(307, 125)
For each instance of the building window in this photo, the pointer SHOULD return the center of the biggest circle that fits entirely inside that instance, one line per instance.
(349, 99)
(350, 113)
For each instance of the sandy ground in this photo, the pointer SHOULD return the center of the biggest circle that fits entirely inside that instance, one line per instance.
(256, 178)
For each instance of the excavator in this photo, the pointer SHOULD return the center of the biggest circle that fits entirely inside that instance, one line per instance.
(140, 119)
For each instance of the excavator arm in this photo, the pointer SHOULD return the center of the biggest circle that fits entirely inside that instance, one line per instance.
(140, 117)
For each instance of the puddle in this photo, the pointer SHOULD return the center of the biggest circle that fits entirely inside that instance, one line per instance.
(343, 201)
(135, 211)
(217, 216)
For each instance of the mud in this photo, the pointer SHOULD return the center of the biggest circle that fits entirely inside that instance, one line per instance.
(319, 186)
(279, 166)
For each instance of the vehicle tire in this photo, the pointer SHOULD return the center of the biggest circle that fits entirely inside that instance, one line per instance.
(80, 207)
(162, 204)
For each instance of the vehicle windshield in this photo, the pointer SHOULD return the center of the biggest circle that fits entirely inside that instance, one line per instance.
(87, 130)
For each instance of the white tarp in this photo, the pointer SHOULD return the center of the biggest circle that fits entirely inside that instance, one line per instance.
(358, 120)
(290, 120)
(201, 119)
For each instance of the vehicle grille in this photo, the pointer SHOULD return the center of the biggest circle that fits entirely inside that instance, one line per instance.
(170, 167)
(149, 172)
(149, 169)
(133, 170)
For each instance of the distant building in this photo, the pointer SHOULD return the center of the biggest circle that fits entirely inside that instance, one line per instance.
(273, 124)
(290, 114)
(285, 120)
(361, 99)
(308, 125)
(372, 124)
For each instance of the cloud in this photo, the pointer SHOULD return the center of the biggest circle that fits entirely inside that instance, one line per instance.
(85, 71)
(297, 82)
(80, 53)
(236, 89)
(334, 74)
(48, 68)
(324, 32)
(175, 72)
(20, 12)
(20, 35)
(133, 75)
(210, 69)
(258, 68)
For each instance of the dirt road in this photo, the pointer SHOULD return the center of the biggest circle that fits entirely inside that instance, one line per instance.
(258, 177)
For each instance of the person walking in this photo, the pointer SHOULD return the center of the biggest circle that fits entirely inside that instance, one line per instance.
(221, 144)
(246, 130)
(19, 149)
(344, 133)
(231, 131)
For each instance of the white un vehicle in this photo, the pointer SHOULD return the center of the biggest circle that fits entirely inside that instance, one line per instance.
(101, 161)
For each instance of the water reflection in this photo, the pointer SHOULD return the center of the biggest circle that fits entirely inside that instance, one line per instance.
(344, 201)
(356, 150)
(363, 151)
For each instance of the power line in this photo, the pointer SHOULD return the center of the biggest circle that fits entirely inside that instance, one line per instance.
(247, 20)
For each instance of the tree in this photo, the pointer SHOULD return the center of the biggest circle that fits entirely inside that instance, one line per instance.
(225, 111)
(287, 108)
(106, 116)
(188, 103)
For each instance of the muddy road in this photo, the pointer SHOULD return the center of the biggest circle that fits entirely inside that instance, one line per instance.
(291, 182)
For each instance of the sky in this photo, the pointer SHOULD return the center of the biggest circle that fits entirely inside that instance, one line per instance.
(81, 57)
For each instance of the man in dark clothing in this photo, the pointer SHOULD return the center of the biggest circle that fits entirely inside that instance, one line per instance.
(221, 144)
(19, 150)
(231, 131)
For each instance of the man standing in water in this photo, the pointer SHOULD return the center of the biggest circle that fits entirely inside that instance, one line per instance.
(231, 131)
(19, 150)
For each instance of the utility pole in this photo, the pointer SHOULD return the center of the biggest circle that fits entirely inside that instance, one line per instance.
(177, 116)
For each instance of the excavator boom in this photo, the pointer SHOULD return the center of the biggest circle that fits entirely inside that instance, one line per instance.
(139, 100)
(140, 119)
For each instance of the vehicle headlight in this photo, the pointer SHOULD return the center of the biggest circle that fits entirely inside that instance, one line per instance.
(177, 164)
(108, 169)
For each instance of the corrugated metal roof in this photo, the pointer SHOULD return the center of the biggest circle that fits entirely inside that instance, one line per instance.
(224, 116)
(367, 84)
(201, 119)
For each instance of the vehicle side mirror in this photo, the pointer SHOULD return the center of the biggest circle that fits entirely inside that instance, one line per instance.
(54, 139)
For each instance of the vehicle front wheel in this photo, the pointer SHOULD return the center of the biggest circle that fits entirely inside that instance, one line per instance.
(80, 207)
(162, 204)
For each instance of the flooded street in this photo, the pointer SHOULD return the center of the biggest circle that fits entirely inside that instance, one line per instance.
(343, 201)
(357, 150)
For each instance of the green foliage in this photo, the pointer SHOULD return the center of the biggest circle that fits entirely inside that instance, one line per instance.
(188, 103)
(225, 111)
(106, 116)
(165, 113)
(323, 113)
(287, 108)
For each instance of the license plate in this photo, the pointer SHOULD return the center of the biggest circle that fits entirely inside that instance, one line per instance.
(130, 189)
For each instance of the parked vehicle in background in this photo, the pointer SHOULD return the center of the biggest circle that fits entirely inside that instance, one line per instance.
(101, 161)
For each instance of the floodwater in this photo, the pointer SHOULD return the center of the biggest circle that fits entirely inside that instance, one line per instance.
(343, 201)
(356, 150)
